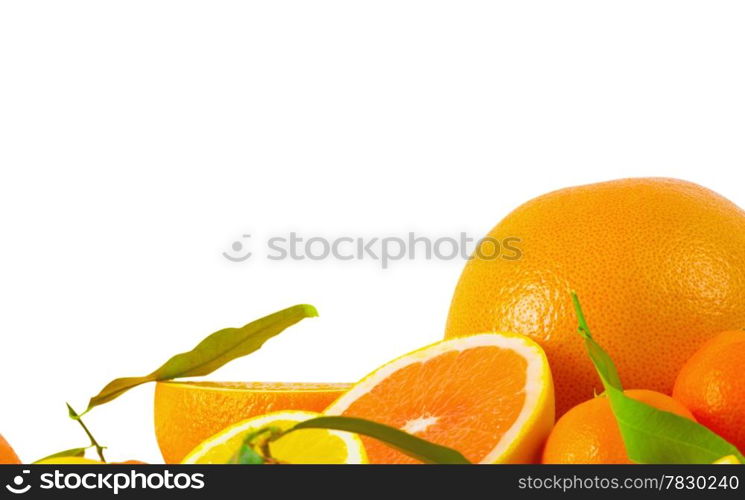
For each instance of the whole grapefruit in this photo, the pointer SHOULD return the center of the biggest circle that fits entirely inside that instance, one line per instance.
(659, 265)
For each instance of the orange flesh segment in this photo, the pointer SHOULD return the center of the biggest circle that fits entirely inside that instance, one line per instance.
(465, 400)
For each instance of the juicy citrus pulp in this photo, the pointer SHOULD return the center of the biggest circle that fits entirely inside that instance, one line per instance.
(187, 413)
(488, 396)
(306, 446)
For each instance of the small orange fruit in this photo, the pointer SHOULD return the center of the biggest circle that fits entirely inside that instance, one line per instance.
(7, 455)
(658, 263)
(589, 433)
(712, 386)
(187, 413)
(488, 396)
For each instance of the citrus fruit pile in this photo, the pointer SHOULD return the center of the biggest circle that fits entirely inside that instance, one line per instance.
(489, 396)
(660, 267)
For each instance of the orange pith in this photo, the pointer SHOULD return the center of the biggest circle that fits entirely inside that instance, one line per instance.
(187, 413)
(589, 434)
(712, 386)
(657, 263)
(467, 399)
(7, 455)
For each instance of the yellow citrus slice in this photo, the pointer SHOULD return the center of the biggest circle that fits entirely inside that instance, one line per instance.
(306, 446)
(187, 413)
(489, 396)
(729, 460)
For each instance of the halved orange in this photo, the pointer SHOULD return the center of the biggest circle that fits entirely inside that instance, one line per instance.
(489, 396)
(187, 413)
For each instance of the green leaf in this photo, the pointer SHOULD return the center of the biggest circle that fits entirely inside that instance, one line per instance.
(72, 452)
(651, 435)
(655, 436)
(246, 455)
(422, 450)
(211, 353)
(603, 362)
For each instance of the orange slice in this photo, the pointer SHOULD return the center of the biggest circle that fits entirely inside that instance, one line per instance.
(187, 413)
(489, 396)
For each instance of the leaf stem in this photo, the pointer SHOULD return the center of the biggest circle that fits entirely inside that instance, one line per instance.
(74, 415)
(584, 330)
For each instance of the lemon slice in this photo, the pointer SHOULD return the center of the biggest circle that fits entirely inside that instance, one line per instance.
(306, 446)
(729, 459)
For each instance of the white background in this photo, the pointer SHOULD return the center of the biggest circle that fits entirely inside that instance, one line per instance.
(138, 140)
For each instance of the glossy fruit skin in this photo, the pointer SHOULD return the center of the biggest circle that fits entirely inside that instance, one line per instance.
(712, 385)
(589, 434)
(188, 413)
(7, 455)
(659, 265)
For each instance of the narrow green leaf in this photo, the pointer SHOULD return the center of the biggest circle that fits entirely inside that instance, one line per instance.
(72, 452)
(601, 359)
(651, 435)
(212, 352)
(422, 450)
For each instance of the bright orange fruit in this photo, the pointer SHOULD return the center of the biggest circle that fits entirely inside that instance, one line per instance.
(187, 413)
(589, 434)
(7, 455)
(488, 396)
(658, 263)
(712, 386)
